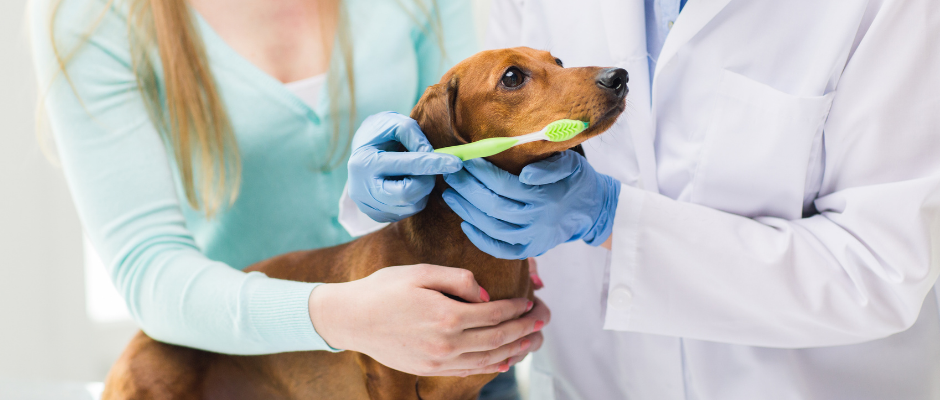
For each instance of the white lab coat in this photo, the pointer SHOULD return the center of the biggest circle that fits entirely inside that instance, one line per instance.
(777, 232)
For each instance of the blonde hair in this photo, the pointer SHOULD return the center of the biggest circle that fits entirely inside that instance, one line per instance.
(193, 119)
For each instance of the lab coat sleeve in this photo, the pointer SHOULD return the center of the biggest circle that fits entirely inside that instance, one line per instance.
(504, 28)
(123, 186)
(857, 271)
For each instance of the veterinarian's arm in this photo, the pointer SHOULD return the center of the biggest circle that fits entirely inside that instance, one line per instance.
(860, 270)
(122, 183)
(504, 27)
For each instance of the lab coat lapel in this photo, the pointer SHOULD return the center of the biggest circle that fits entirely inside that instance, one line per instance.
(625, 29)
(692, 19)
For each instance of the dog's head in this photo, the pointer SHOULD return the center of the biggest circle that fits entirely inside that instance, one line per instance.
(512, 92)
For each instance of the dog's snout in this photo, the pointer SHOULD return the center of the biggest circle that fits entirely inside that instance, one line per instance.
(614, 79)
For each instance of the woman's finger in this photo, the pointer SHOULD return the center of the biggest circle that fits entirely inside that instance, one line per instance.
(486, 339)
(483, 359)
(454, 281)
(501, 366)
(492, 313)
(536, 340)
(534, 274)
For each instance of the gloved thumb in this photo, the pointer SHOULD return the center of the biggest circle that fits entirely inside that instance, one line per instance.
(551, 169)
(408, 163)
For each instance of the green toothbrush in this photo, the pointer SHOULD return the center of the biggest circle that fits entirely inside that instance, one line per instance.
(557, 131)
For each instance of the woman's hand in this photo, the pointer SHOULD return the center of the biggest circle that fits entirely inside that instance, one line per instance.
(400, 317)
(388, 184)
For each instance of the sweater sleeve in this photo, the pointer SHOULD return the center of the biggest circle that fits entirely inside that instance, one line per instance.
(122, 183)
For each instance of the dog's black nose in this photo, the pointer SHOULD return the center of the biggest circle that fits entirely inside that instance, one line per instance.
(614, 79)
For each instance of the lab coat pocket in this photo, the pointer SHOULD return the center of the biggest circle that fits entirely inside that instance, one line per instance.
(757, 149)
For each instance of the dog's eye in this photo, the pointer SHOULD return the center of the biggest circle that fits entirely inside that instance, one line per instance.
(513, 77)
(558, 61)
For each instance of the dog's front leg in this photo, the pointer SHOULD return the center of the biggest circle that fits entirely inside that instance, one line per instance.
(384, 383)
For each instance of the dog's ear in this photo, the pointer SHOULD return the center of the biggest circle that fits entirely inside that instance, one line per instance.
(436, 114)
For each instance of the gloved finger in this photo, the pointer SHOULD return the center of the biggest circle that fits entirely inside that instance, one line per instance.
(376, 128)
(498, 180)
(495, 228)
(409, 134)
(387, 126)
(551, 169)
(386, 216)
(402, 192)
(492, 246)
(401, 211)
(486, 200)
(406, 163)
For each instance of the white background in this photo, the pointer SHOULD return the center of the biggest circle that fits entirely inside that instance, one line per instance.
(45, 332)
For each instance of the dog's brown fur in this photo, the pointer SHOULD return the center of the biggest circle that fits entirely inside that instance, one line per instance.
(469, 104)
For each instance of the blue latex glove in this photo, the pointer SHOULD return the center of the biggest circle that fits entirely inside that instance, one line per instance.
(388, 184)
(553, 201)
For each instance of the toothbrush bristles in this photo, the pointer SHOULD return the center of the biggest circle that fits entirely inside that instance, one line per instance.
(564, 129)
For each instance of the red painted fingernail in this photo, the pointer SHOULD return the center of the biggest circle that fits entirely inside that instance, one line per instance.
(528, 306)
(484, 295)
(525, 344)
(537, 281)
(504, 367)
(538, 326)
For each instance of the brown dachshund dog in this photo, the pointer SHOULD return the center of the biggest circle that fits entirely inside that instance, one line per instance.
(507, 92)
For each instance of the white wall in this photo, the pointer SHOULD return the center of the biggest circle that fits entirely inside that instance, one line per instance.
(44, 331)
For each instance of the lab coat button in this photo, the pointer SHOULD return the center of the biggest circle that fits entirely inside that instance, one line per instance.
(620, 298)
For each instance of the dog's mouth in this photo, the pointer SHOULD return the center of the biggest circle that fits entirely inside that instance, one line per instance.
(600, 124)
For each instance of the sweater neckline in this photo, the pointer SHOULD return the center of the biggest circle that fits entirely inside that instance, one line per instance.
(227, 58)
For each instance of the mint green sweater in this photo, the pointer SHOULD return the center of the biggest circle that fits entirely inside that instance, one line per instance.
(179, 272)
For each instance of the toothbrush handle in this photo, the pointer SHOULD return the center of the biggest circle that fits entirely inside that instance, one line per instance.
(480, 148)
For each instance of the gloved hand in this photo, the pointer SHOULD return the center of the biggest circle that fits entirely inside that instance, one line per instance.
(553, 201)
(388, 184)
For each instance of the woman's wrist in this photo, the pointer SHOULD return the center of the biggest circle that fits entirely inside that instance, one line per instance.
(322, 306)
